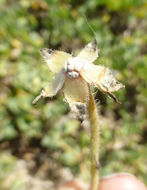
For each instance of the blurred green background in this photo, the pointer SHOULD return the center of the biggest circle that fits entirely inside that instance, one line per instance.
(43, 143)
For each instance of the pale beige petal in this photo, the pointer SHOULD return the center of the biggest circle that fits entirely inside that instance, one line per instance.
(102, 78)
(55, 59)
(90, 52)
(75, 90)
(53, 87)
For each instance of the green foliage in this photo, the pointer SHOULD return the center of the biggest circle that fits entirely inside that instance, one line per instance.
(120, 27)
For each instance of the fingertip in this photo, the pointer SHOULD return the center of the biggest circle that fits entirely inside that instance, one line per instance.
(121, 181)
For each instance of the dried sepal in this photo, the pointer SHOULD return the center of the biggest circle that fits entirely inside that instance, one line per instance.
(43, 94)
(90, 52)
(75, 90)
(102, 78)
(110, 82)
(54, 59)
(53, 87)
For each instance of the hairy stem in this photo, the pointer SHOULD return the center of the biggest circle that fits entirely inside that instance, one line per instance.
(94, 122)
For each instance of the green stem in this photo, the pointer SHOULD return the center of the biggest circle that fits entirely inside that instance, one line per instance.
(94, 122)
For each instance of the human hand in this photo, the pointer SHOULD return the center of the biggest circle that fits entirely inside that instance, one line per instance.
(118, 181)
(121, 181)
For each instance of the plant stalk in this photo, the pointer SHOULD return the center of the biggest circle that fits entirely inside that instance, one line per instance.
(94, 122)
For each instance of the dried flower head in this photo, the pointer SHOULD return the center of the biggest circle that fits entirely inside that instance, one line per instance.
(73, 74)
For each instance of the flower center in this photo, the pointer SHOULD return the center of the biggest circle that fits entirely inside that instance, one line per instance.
(73, 66)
